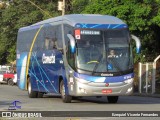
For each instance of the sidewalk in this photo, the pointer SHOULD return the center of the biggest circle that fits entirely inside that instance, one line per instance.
(147, 95)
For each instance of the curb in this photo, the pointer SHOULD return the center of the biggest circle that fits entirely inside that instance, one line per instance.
(146, 95)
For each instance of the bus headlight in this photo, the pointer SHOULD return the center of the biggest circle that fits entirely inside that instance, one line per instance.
(129, 81)
(81, 80)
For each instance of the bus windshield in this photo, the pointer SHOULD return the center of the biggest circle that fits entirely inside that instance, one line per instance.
(108, 51)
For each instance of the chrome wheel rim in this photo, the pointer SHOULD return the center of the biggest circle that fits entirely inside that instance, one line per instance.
(63, 91)
(29, 88)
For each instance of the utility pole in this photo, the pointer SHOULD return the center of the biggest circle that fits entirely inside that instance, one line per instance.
(63, 8)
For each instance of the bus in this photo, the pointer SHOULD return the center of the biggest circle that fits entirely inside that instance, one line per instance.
(68, 55)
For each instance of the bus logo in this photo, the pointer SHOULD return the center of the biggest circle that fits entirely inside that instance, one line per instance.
(109, 74)
(48, 59)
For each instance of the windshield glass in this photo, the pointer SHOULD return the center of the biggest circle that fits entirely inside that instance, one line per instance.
(108, 51)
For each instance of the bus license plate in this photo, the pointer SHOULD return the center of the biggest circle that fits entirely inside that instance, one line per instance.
(106, 91)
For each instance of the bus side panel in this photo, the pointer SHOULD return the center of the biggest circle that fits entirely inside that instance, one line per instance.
(66, 80)
(24, 41)
(33, 70)
(21, 70)
(45, 69)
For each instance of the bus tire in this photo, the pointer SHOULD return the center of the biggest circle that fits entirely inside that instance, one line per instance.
(31, 94)
(65, 98)
(10, 82)
(112, 99)
(40, 95)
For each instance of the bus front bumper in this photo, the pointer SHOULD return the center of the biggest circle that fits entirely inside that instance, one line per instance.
(101, 89)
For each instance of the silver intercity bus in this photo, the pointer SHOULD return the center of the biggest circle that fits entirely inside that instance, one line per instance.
(76, 55)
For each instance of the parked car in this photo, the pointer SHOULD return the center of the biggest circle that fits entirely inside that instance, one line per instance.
(8, 77)
(1, 76)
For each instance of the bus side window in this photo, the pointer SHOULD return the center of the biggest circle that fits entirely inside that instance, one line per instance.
(46, 43)
(50, 43)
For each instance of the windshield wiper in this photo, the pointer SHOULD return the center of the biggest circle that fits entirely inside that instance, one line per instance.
(99, 60)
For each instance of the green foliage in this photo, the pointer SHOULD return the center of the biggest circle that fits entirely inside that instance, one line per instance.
(18, 14)
(11, 53)
(142, 17)
(79, 5)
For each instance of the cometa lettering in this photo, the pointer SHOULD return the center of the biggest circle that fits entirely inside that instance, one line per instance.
(48, 59)
(103, 74)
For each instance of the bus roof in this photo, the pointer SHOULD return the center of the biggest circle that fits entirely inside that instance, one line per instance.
(74, 19)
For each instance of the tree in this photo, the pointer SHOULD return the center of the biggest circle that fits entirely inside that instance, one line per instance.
(18, 14)
(79, 5)
(142, 18)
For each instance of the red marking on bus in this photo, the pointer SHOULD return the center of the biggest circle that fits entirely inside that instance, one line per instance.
(77, 34)
(106, 91)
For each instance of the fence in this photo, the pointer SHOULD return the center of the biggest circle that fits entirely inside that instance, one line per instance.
(146, 78)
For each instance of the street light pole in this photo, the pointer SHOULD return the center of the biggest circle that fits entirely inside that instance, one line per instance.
(63, 8)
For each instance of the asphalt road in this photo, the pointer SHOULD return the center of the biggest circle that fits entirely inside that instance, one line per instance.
(8, 94)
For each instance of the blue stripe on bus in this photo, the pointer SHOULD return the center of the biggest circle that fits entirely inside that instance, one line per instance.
(105, 26)
(104, 79)
(81, 25)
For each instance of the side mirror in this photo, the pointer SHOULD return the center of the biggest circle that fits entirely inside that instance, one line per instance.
(138, 43)
(72, 43)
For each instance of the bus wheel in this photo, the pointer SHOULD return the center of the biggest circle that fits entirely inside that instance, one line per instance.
(31, 94)
(10, 82)
(65, 98)
(112, 99)
(40, 95)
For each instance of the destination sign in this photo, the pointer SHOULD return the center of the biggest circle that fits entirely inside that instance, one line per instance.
(90, 32)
